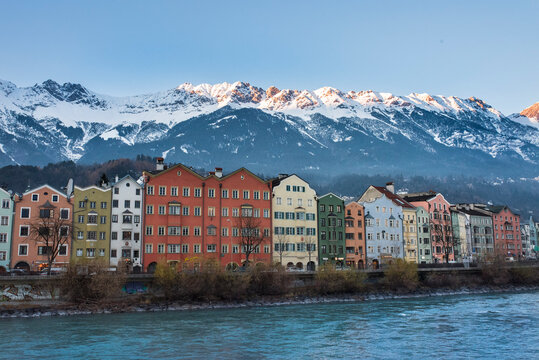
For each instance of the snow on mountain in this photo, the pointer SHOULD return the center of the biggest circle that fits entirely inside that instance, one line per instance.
(72, 122)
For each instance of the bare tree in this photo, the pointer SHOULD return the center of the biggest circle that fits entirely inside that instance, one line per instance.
(310, 244)
(443, 236)
(52, 230)
(282, 241)
(251, 235)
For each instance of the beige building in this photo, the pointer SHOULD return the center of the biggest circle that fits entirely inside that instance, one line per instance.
(294, 223)
(409, 224)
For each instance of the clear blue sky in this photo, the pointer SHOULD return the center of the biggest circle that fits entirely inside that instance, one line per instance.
(488, 49)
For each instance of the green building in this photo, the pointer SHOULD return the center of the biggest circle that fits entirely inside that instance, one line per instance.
(91, 224)
(331, 239)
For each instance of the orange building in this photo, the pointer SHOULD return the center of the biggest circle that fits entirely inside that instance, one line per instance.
(30, 208)
(190, 218)
(355, 235)
(507, 238)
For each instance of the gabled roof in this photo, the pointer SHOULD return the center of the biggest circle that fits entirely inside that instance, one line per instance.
(92, 187)
(126, 177)
(396, 199)
(44, 186)
(277, 181)
(328, 194)
(498, 208)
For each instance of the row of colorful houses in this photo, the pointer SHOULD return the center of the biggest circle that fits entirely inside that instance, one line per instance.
(176, 215)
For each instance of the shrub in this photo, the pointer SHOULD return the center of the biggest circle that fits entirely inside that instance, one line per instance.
(330, 281)
(524, 275)
(401, 275)
(268, 280)
(443, 280)
(166, 278)
(494, 271)
(91, 281)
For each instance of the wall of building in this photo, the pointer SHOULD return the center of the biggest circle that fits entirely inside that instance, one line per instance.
(331, 231)
(91, 224)
(410, 235)
(354, 222)
(507, 233)
(126, 223)
(6, 226)
(295, 229)
(423, 236)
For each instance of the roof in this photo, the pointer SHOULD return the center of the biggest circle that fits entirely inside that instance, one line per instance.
(498, 208)
(396, 199)
(41, 187)
(474, 212)
(328, 194)
(126, 177)
(277, 180)
(419, 196)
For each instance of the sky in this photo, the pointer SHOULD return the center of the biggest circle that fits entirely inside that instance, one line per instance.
(487, 49)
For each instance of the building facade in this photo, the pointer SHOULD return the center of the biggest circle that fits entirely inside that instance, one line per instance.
(409, 227)
(383, 225)
(44, 202)
(331, 242)
(295, 229)
(441, 229)
(423, 236)
(507, 239)
(6, 226)
(190, 219)
(354, 222)
(126, 223)
(91, 224)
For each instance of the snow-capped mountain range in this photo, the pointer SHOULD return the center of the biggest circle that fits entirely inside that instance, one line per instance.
(268, 130)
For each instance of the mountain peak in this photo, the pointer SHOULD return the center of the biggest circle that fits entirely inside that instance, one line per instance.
(531, 112)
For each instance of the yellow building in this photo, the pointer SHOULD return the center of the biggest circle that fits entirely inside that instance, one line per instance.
(294, 223)
(91, 223)
(409, 224)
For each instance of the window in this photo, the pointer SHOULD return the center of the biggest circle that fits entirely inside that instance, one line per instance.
(161, 248)
(266, 213)
(79, 252)
(245, 194)
(289, 201)
(211, 248)
(116, 191)
(224, 193)
(196, 231)
(137, 204)
(161, 210)
(212, 230)
(45, 213)
(82, 205)
(235, 194)
(148, 248)
(115, 203)
(114, 218)
(224, 231)
(235, 212)
(185, 248)
(64, 214)
(224, 249)
(211, 193)
(186, 191)
(92, 218)
(256, 195)
(161, 230)
(211, 211)
(2, 255)
(162, 190)
(92, 204)
(196, 248)
(90, 252)
(185, 230)
(198, 192)
(91, 235)
(149, 209)
(114, 235)
(113, 253)
(174, 209)
(103, 220)
(35, 197)
(5, 204)
(266, 195)
(3, 237)
(235, 249)
(126, 235)
(149, 190)
(173, 248)
(23, 250)
(197, 211)
(4, 220)
(103, 205)
(44, 250)
(174, 191)
(185, 210)
(174, 230)
(24, 230)
(127, 219)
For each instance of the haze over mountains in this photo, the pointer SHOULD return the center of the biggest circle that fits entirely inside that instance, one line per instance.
(269, 130)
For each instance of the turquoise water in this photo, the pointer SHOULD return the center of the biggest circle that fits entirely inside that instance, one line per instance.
(490, 326)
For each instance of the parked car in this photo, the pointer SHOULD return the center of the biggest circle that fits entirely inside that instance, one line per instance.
(15, 272)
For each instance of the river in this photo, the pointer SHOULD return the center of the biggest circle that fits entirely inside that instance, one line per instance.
(488, 326)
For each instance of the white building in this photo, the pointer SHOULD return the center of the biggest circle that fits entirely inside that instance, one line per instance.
(294, 223)
(126, 223)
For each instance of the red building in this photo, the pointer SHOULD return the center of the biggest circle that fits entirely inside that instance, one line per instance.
(190, 218)
(444, 247)
(507, 241)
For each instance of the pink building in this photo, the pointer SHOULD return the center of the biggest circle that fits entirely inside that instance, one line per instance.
(507, 240)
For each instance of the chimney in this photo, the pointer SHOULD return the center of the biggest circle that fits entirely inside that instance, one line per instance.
(116, 178)
(390, 187)
(218, 172)
(212, 173)
(160, 165)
